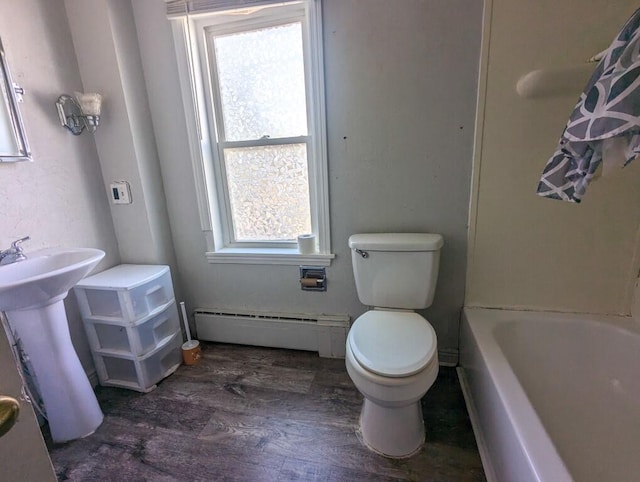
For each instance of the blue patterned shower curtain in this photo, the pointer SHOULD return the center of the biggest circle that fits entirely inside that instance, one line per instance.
(608, 108)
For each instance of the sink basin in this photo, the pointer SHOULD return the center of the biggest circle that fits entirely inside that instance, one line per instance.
(45, 276)
(31, 295)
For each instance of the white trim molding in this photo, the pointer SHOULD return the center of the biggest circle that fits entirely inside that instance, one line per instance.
(267, 256)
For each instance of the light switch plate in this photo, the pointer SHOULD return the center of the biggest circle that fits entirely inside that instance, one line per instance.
(120, 192)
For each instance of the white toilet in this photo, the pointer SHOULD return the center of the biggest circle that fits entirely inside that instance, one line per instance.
(392, 355)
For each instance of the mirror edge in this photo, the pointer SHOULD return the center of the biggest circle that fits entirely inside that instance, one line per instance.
(24, 153)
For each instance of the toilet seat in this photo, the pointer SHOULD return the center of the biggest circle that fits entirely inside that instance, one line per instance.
(392, 343)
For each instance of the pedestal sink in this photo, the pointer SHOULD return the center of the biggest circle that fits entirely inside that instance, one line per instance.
(31, 295)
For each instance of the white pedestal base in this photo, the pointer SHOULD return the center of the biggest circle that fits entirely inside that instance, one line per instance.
(71, 404)
(392, 431)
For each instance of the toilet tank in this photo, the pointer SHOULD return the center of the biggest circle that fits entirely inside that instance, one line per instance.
(396, 270)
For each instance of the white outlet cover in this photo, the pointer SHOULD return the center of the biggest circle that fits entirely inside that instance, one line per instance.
(120, 192)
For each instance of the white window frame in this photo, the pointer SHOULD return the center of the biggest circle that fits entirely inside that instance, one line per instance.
(190, 37)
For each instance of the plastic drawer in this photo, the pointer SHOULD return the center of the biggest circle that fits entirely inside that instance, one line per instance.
(127, 292)
(140, 373)
(139, 338)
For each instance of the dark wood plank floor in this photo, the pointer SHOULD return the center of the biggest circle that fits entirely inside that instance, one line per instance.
(261, 414)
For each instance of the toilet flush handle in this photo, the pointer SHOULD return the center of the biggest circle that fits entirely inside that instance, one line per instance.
(364, 254)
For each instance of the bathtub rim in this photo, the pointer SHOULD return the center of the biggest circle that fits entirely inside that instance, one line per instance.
(474, 417)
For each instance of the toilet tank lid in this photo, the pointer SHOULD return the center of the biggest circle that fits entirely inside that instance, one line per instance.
(396, 242)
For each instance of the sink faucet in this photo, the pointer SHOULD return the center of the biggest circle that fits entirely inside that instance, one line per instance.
(14, 254)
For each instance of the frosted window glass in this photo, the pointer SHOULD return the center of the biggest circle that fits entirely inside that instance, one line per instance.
(261, 79)
(269, 192)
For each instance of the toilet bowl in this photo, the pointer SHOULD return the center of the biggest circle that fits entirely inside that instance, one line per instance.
(393, 369)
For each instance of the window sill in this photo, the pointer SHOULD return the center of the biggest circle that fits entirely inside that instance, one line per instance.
(273, 256)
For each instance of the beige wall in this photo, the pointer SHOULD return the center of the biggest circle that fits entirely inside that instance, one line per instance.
(525, 251)
(635, 305)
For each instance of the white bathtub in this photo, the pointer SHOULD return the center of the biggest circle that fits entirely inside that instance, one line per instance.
(553, 396)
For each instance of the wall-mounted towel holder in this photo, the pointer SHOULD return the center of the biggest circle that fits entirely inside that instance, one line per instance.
(557, 81)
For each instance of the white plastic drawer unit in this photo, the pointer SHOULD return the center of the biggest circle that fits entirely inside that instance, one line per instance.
(140, 373)
(136, 338)
(127, 292)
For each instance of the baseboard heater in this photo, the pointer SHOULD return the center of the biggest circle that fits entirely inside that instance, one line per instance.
(326, 334)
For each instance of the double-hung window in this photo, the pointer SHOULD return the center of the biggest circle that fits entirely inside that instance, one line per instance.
(253, 83)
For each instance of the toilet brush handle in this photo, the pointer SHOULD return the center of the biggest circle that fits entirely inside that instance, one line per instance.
(185, 320)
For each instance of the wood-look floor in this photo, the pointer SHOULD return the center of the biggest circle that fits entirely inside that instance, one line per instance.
(261, 414)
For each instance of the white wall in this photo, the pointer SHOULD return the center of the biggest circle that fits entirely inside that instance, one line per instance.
(525, 251)
(105, 40)
(59, 198)
(401, 89)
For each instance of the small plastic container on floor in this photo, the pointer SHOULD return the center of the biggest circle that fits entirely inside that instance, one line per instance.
(140, 373)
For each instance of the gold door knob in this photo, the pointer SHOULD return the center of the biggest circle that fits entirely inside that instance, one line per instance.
(9, 410)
